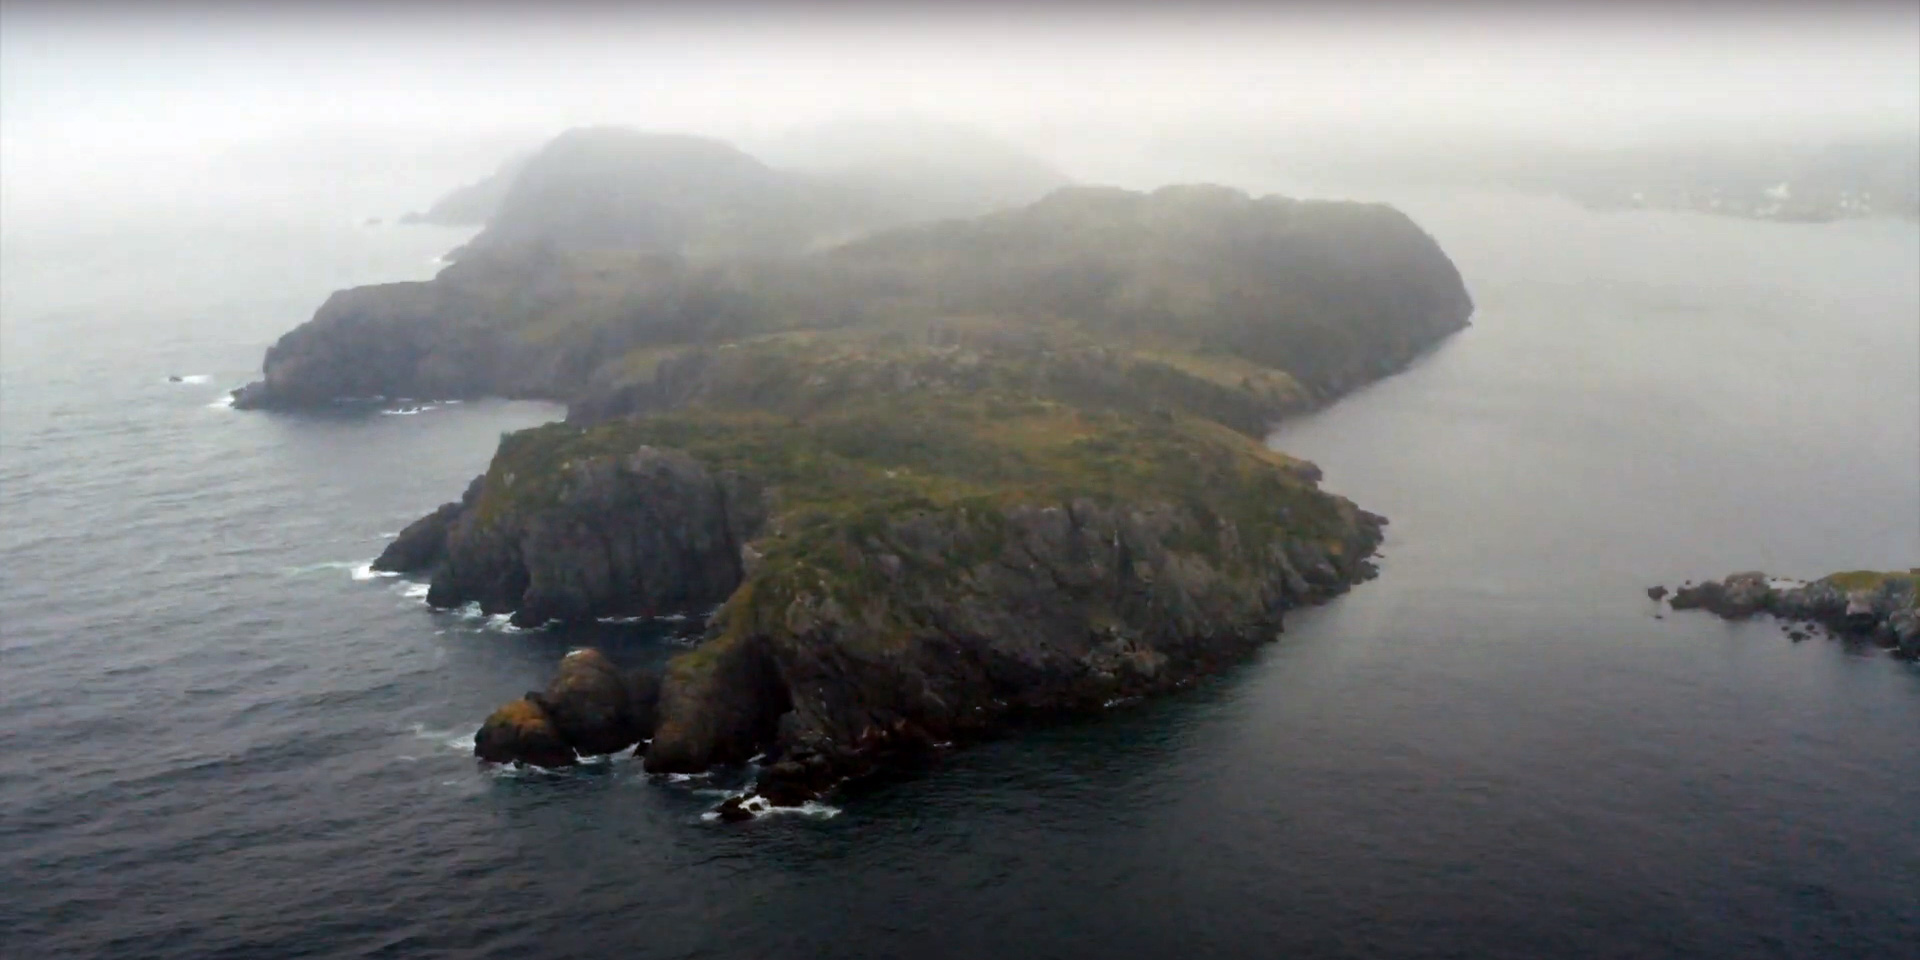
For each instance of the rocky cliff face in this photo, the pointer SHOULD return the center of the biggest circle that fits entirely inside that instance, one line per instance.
(647, 533)
(977, 623)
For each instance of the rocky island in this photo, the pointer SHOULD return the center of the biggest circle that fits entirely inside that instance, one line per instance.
(1883, 607)
(923, 485)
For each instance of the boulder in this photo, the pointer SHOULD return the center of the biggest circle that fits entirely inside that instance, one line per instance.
(590, 708)
(734, 810)
(522, 732)
(1737, 597)
(589, 704)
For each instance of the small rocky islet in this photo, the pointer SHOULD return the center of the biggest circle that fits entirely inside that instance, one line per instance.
(1878, 606)
(923, 486)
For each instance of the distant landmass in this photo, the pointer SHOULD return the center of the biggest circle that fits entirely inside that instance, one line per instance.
(923, 485)
(925, 170)
(1794, 183)
(856, 174)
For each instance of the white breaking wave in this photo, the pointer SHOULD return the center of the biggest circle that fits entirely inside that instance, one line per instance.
(364, 571)
(662, 618)
(759, 807)
(192, 378)
(414, 591)
(328, 565)
(224, 403)
(409, 411)
(503, 623)
(451, 739)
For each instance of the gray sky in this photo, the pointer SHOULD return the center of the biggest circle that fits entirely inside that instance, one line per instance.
(89, 90)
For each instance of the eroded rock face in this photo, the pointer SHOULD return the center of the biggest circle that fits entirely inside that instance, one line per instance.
(648, 533)
(591, 707)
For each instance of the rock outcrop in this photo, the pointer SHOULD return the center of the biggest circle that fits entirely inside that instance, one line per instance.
(1884, 607)
(590, 708)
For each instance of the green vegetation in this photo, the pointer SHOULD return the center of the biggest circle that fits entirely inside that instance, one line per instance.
(1269, 302)
(1853, 580)
(857, 434)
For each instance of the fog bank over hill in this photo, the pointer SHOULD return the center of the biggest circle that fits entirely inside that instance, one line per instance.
(109, 103)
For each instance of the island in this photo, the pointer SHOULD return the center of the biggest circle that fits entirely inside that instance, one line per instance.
(1880, 606)
(920, 486)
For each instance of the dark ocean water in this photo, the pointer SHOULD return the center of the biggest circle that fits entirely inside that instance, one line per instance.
(216, 742)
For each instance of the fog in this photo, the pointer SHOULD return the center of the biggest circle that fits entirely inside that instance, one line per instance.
(109, 103)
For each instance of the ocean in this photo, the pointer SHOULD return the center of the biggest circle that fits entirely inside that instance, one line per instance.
(221, 736)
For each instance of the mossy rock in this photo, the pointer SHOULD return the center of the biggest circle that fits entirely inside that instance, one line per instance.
(522, 732)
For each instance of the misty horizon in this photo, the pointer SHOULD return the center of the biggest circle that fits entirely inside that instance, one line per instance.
(91, 93)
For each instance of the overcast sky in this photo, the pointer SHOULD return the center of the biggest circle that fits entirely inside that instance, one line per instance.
(85, 87)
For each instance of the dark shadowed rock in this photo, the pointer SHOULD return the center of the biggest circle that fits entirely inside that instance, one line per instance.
(1656, 594)
(733, 810)
(589, 705)
(646, 533)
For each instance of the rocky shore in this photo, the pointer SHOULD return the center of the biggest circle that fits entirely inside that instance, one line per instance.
(1883, 607)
